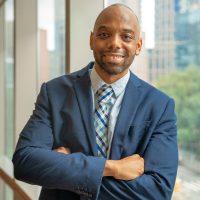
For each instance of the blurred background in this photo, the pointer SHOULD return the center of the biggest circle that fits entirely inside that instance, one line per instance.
(43, 39)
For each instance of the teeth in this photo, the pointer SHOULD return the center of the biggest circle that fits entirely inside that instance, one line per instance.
(114, 58)
(117, 56)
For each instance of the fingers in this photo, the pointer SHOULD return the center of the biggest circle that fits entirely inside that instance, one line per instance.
(136, 155)
(130, 167)
(140, 164)
(63, 150)
(141, 169)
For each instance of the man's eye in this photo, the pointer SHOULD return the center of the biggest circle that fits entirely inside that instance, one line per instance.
(103, 35)
(128, 38)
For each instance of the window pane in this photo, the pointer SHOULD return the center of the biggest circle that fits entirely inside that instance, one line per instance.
(51, 16)
(9, 77)
(9, 87)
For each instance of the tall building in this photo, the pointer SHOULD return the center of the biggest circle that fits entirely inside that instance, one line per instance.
(162, 57)
(187, 32)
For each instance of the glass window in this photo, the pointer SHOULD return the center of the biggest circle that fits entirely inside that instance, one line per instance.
(9, 77)
(51, 20)
(9, 84)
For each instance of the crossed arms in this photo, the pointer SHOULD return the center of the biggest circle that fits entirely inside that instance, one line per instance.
(125, 169)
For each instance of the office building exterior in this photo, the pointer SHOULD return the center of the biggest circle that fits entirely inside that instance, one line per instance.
(187, 33)
(162, 57)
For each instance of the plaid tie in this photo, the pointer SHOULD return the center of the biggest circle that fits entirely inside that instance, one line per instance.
(102, 111)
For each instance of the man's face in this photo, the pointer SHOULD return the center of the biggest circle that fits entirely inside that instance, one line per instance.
(115, 40)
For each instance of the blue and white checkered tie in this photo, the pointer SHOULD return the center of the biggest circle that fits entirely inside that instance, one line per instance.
(102, 111)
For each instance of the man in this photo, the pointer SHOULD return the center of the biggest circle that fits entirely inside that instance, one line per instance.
(101, 132)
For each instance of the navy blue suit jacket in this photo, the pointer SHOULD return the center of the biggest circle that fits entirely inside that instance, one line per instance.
(63, 116)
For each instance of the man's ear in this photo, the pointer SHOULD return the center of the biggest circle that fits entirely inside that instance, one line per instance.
(91, 40)
(139, 47)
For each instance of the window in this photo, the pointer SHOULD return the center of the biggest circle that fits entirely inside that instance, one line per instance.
(51, 21)
(9, 85)
(9, 77)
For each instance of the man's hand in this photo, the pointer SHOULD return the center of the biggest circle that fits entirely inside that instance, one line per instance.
(127, 168)
(63, 150)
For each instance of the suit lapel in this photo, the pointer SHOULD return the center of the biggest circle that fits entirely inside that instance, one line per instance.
(82, 87)
(126, 115)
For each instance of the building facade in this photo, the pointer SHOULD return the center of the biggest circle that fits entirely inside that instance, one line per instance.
(187, 33)
(162, 57)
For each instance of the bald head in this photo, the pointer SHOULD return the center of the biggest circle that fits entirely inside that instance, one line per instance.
(118, 10)
(115, 41)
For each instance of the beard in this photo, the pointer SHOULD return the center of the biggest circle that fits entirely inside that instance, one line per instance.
(113, 68)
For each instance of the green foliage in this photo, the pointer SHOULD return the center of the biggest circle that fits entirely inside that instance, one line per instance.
(184, 87)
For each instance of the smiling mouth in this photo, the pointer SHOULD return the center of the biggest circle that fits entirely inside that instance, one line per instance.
(114, 58)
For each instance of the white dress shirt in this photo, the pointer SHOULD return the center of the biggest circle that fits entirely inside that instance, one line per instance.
(116, 100)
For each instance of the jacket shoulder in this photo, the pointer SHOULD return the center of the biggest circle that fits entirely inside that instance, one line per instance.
(150, 91)
(68, 79)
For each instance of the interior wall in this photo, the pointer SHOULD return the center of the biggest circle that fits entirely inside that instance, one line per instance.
(26, 58)
(82, 17)
(2, 81)
(26, 69)
(2, 95)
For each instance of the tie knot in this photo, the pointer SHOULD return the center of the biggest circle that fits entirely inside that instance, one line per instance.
(104, 93)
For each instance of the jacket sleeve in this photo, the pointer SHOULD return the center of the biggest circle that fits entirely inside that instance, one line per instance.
(161, 161)
(36, 163)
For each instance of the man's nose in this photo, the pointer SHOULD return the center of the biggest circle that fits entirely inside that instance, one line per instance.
(115, 42)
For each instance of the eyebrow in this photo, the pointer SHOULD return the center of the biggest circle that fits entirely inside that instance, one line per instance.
(124, 30)
(129, 31)
(102, 27)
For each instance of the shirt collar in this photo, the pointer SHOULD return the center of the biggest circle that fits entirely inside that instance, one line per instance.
(118, 86)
